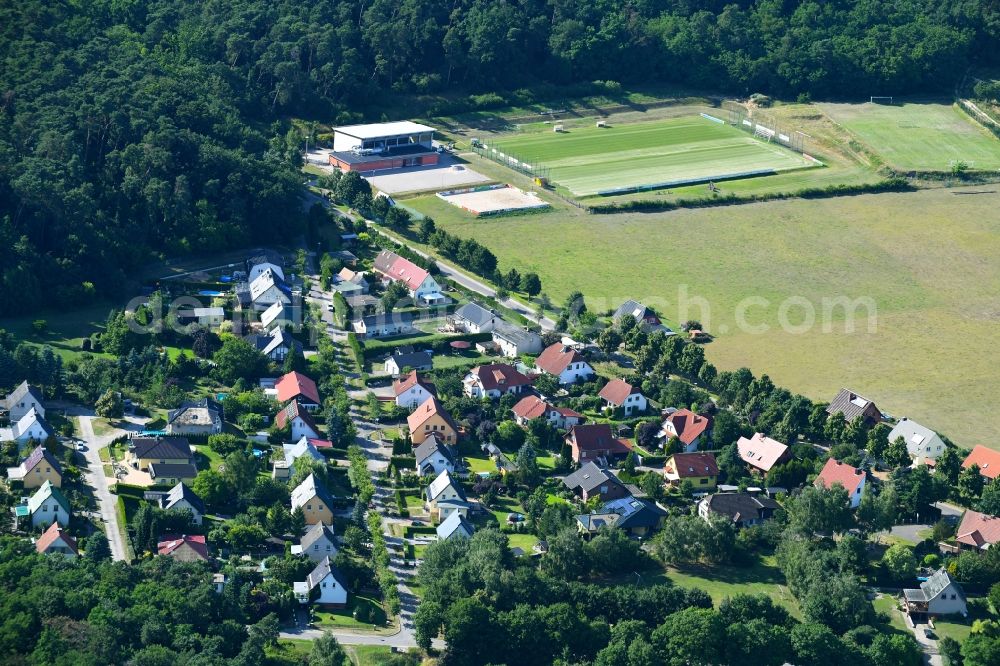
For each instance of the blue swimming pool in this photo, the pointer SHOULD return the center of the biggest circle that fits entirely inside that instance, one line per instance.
(209, 292)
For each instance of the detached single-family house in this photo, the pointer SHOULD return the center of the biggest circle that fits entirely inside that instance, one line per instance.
(31, 427)
(350, 283)
(645, 317)
(279, 315)
(741, 509)
(423, 288)
(300, 388)
(762, 453)
(299, 420)
(595, 441)
(266, 260)
(316, 502)
(851, 478)
(412, 390)
(455, 525)
(325, 586)
(433, 457)
(532, 407)
(852, 405)
(977, 531)
(938, 595)
(495, 381)
(169, 474)
(318, 542)
(987, 460)
(145, 451)
(430, 418)
(473, 318)
(199, 417)
(22, 400)
(691, 429)
(637, 517)
(399, 363)
(40, 466)
(303, 447)
(48, 505)
(922, 443)
(564, 363)
(184, 547)
(619, 394)
(592, 480)
(699, 468)
(267, 289)
(55, 541)
(277, 344)
(209, 317)
(182, 498)
(513, 341)
(384, 325)
(445, 496)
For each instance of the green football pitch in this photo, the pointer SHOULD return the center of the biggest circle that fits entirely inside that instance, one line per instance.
(594, 160)
(919, 136)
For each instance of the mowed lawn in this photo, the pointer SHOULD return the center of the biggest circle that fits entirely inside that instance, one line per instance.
(919, 136)
(929, 261)
(589, 160)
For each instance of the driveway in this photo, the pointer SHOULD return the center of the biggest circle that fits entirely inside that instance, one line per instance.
(94, 477)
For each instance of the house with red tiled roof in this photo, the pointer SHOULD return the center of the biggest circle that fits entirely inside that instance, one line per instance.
(700, 468)
(851, 478)
(761, 453)
(692, 429)
(977, 531)
(595, 441)
(423, 288)
(565, 363)
(55, 541)
(298, 387)
(494, 381)
(532, 407)
(412, 390)
(431, 418)
(986, 459)
(619, 394)
(186, 548)
(300, 421)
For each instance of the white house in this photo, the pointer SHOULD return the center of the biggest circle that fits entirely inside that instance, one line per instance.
(473, 318)
(318, 542)
(267, 289)
(421, 286)
(262, 267)
(619, 394)
(565, 363)
(383, 326)
(277, 314)
(302, 424)
(495, 381)
(444, 496)
(434, 457)
(324, 586)
(922, 443)
(199, 417)
(278, 345)
(851, 478)
(412, 391)
(303, 447)
(48, 505)
(455, 525)
(22, 400)
(31, 426)
(183, 498)
(938, 595)
(514, 341)
(532, 407)
(419, 360)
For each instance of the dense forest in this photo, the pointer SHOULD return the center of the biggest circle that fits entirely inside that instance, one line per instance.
(135, 127)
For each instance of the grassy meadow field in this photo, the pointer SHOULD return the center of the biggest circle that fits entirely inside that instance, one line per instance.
(920, 136)
(928, 260)
(588, 159)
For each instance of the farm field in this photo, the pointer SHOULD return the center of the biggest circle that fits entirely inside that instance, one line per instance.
(924, 137)
(591, 160)
(929, 260)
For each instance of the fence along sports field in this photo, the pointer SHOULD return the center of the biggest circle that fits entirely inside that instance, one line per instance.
(599, 160)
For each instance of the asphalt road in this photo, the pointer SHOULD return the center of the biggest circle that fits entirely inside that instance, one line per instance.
(94, 477)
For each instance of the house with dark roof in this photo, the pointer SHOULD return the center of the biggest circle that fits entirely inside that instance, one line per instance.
(325, 586)
(741, 509)
(315, 501)
(431, 418)
(23, 399)
(56, 541)
(182, 498)
(268, 288)
(699, 468)
(691, 429)
(195, 417)
(399, 362)
(619, 394)
(514, 341)
(596, 441)
(184, 547)
(986, 459)
(473, 318)
(852, 405)
(383, 325)
(298, 387)
(494, 381)
(761, 453)
(40, 466)
(318, 542)
(169, 474)
(638, 517)
(145, 451)
(412, 390)
(592, 480)
(455, 526)
(938, 595)
(645, 317)
(434, 456)
(977, 531)
(299, 420)
(564, 363)
(532, 407)
(278, 344)
(264, 260)
(851, 478)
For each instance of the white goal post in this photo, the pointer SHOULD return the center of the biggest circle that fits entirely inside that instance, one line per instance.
(880, 100)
